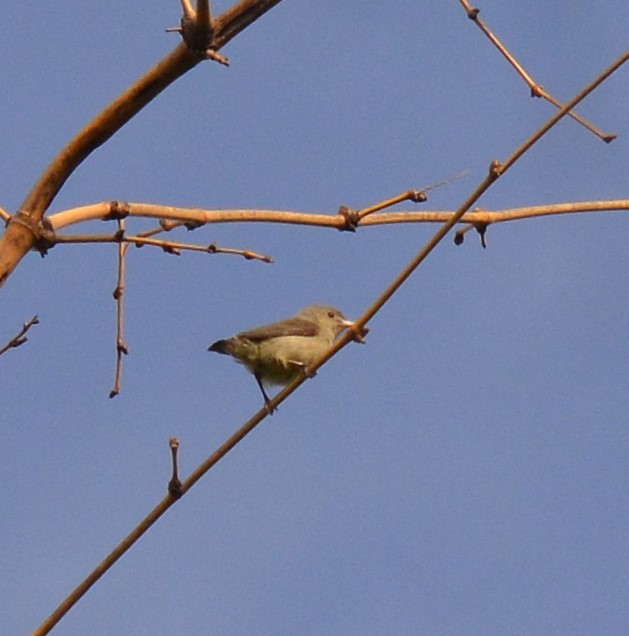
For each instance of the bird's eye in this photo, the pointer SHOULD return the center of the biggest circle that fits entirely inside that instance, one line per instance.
(330, 314)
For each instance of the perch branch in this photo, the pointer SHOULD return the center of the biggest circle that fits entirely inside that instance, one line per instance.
(356, 332)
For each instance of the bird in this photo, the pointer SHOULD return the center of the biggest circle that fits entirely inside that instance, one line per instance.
(279, 352)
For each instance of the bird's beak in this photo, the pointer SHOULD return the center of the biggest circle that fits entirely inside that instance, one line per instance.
(359, 336)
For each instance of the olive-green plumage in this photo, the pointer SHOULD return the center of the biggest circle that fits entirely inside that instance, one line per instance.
(277, 353)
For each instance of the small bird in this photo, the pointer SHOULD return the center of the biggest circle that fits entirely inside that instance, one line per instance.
(279, 352)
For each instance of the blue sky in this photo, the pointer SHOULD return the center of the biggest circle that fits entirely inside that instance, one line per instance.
(465, 472)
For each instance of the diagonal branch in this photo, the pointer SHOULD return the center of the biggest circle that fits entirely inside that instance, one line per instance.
(495, 170)
(131, 101)
(536, 89)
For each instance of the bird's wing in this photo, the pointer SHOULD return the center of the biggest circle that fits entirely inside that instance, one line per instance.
(291, 327)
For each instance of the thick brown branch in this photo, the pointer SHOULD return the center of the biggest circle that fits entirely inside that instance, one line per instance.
(16, 242)
(104, 125)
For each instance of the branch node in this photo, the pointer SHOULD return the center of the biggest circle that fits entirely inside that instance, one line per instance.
(43, 234)
(350, 218)
(537, 91)
(495, 168)
(197, 31)
(118, 210)
(472, 13)
(417, 196)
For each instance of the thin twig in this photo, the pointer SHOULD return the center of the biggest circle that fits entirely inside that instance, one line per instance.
(20, 338)
(212, 248)
(118, 294)
(4, 215)
(170, 247)
(563, 111)
(536, 89)
(417, 196)
(496, 169)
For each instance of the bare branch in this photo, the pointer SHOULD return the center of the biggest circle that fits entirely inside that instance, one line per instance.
(170, 247)
(118, 294)
(4, 215)
(417, 196)
(355, 333)
(18, 240)
(536, 89)
(20, 338)
(173, 217)
(562, 112)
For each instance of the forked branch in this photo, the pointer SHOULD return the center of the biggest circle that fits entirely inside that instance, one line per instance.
(20, 237)
(537, 90)
(20, 338)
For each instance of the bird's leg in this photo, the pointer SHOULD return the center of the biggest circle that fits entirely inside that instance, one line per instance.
(267, 401)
